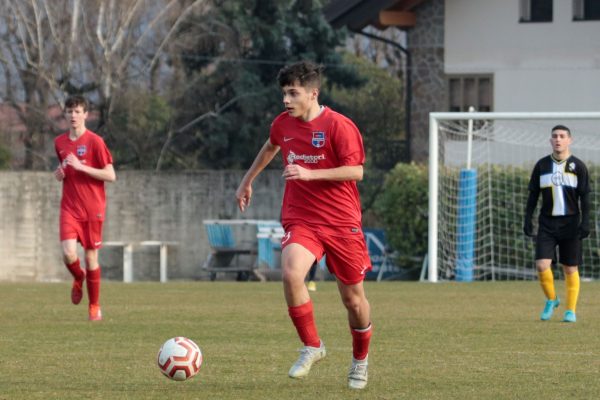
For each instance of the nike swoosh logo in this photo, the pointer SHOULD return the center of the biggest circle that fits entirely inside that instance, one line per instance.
(287, 139)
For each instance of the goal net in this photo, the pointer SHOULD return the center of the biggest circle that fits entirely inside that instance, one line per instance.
(479, 170)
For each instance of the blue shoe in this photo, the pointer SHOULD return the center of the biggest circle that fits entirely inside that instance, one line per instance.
(570, 316)
(549, 309)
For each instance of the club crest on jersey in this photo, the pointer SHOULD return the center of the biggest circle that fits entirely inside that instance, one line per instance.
(572, 166)
(81, 150)
(318, 139)
(557, 179)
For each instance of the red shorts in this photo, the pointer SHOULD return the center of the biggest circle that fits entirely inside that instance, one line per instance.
(88, 233)
(345, 248)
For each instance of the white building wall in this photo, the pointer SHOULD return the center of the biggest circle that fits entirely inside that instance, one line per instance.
(536, 66)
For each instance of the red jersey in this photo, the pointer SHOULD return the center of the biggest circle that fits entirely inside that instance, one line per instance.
(83, 197)
(330, 140)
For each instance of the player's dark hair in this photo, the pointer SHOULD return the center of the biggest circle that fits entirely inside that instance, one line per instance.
(77, 100)
(306, 73)
(561, 128)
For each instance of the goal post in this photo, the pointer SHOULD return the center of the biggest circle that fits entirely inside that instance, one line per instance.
(479, 167)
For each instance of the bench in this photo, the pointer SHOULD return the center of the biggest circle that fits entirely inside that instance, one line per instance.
(163, 246)
(128, 256)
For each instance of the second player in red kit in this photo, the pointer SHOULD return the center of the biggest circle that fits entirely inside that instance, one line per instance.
(85, 163)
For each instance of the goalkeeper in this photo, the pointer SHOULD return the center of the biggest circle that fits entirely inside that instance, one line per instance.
(563, 181)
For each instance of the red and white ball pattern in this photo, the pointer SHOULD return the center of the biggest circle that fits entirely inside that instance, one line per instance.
(179, 358)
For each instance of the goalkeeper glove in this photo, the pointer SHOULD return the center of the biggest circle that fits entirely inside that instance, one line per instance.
(583, 231)
(528, 227)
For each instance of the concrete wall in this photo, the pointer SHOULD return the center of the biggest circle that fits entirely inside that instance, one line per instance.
(141, 206)
(542, 66)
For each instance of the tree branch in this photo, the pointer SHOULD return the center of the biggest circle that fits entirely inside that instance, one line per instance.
(210, 114)
(179, 20)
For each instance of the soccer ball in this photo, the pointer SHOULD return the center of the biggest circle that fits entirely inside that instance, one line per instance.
(179, 358)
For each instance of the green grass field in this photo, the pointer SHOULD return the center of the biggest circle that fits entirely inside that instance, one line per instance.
(431, 341)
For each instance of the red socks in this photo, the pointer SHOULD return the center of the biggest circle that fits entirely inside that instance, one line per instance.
(93, 285)
(75, 270)
(92, 280)
(360, 342)
(303, 318)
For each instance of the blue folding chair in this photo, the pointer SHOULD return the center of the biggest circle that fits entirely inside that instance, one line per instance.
(224, 251)
(220, 236)
(378, 253)
(269, 240)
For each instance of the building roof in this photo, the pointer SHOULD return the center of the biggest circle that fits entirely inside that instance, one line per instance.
(356, 14)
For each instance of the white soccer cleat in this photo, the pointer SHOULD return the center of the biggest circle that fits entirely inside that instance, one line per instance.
(308, 356)
(358, 376)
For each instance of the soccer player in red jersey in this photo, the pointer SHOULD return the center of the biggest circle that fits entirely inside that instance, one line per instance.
(323, 156)
(85, 163)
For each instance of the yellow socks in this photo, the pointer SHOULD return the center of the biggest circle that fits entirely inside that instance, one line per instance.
(547, 281)
(572, 282)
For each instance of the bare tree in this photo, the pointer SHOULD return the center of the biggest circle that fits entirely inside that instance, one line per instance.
(52, 48)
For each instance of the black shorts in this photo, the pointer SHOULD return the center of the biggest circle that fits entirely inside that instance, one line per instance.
(562, 232)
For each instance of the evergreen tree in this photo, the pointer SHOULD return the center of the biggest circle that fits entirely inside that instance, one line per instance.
(233, 65)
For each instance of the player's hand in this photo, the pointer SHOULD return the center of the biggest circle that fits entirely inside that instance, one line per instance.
(293, 171)
(243, 195)
(74, 162)
(59, 173)
(528, 228)
(583, 231)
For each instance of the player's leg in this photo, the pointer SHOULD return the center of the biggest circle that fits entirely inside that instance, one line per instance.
(93, 284)
(296, 261)
(572, 284)
(546, 279)
(348, 259)
(570, 258)
(299, 251)
(69, 233)
(544, 253)
(359, 318)
(312, 285)
(71, 260)
(91, 242)
(69, 252)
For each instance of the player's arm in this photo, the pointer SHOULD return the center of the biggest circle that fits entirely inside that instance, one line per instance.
(584, 225)
(343, 173)
(584, 201)
(244, 192)
(529, 209)
(532, 199)
(59, 173)
(106, 174)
